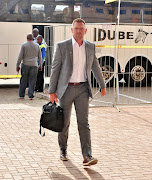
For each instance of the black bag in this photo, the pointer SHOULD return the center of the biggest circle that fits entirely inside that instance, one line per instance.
(52, 118)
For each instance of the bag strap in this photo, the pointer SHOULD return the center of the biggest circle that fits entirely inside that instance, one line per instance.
(40, 131)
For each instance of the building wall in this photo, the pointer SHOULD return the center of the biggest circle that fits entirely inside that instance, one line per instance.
(91, 11)
(132, 13)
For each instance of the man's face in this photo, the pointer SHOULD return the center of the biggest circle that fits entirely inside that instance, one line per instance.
(78, 30)
(39, 40)
(35, 33)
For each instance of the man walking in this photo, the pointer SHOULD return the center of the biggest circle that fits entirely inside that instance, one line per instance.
(29, 54)
(70, 82)
(40, 75)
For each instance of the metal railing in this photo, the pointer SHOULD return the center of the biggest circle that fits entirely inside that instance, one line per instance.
(129, 79)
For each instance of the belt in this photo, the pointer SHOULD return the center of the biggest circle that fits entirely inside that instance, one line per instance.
(76, 84)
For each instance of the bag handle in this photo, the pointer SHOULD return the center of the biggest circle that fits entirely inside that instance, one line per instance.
(50, 103)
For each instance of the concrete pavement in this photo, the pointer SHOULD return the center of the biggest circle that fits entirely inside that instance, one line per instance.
(120, 140)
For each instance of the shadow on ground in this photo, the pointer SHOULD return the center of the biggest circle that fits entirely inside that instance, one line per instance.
(75, 172)
(94, 174)
(55, 176)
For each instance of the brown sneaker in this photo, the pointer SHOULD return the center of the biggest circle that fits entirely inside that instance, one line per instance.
(89, 160)
(63, 155)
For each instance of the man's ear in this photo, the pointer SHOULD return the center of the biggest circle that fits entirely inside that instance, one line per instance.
(72, 30)
(85, 31)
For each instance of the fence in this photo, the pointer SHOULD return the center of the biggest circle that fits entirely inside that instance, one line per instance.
(129, 78)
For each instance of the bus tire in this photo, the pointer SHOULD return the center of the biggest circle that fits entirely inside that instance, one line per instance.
(137, 72)
(107, 67)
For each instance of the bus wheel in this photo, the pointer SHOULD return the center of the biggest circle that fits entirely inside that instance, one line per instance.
(107, 71)
(138, 72)
(107, 67)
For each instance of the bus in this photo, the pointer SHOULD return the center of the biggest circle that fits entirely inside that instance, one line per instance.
(52, 18)
(134, 49)
(13, 34)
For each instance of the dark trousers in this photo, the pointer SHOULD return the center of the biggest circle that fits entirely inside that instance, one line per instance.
(79, 96)
(29, 75)
(40, 79)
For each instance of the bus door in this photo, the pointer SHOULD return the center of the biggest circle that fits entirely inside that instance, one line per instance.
(3, 60)
(40, 28)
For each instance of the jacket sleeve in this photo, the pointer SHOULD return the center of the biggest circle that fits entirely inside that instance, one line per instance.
(40, 57)
(55, 70)
(20, 56)
(97, 72)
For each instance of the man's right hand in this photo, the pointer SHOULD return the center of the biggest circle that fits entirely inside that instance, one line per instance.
(53, 98)
(18, 69)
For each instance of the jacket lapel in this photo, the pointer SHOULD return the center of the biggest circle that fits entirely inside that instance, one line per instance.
(70, 49)
(87, 53)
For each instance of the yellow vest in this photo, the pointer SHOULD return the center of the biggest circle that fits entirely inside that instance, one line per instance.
(42, 46)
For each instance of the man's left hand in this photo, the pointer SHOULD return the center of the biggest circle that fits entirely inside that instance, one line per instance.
(103, 92)
(40, 69)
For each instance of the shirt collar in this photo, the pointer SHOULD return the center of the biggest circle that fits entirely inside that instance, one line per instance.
(74, 41)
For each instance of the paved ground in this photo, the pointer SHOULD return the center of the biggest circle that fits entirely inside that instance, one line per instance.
(122, 142)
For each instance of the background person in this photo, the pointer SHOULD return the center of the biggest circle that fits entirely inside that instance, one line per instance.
(40, 75)
(70, 82)
(28, 55)
(36, 34)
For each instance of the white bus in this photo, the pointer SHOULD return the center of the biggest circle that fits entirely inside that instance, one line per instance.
(19, 17)
(134, 49)
(12, 35)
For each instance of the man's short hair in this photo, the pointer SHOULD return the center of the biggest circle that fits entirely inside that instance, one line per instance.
(36, 29)
(30, 36)
(78, 20)
(39, 36)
